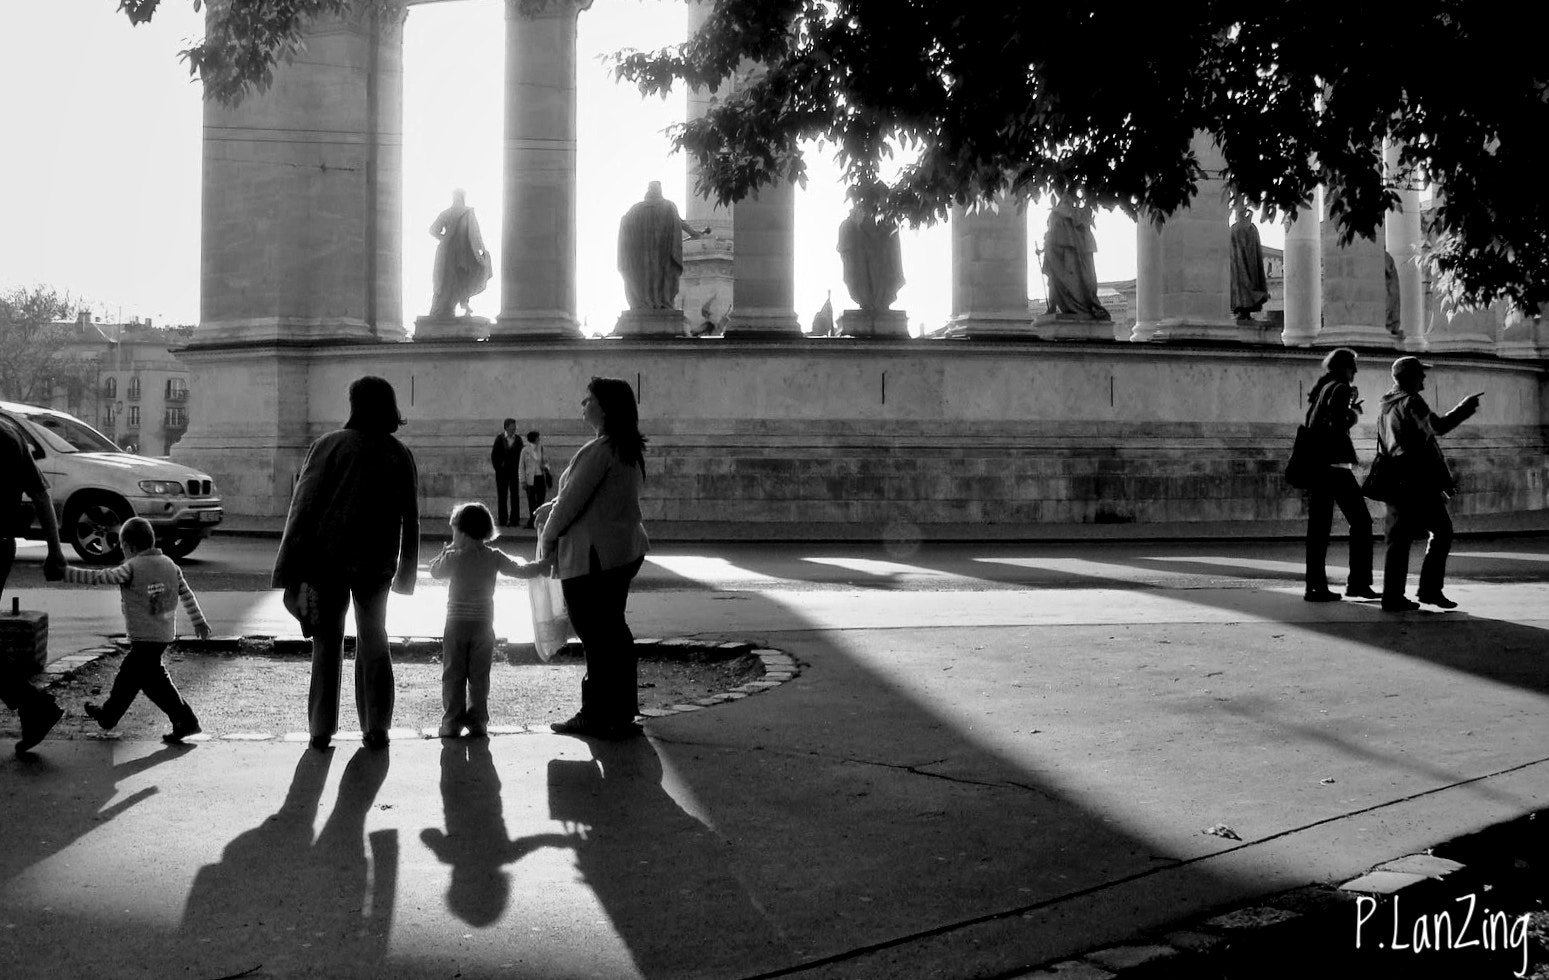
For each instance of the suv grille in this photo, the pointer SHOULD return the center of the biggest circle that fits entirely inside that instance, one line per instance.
(198, 488)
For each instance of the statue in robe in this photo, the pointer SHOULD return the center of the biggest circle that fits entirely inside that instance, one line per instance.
(651, 251)
(1068, 264)
(873, 261)
(823, 320)
(462, 266)
(1250, 286)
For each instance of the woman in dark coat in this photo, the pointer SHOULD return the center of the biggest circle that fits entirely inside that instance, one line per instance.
(592, 531)
(1334, 406)
(352, 533)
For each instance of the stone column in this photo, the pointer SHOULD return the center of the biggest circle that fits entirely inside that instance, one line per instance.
(1196, 261)
(538, 241)
(1303, 276)
(764, 265)
(989, 273)
(706, 286)
(1149, 250)
(301, 192)
(1404, 238)
(1355, 294)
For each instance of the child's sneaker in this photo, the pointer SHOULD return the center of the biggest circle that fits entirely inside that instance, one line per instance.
(94, 712)
(449, 731)
(478, 731)
(182, 729)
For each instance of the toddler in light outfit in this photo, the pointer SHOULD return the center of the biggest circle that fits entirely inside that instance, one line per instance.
(470, 564)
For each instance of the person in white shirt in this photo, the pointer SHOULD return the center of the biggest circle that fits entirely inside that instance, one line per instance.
(533, 474)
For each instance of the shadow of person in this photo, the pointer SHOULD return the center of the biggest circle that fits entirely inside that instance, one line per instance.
(666, 880)
(291, 902)
(76, 795)
(475, 842)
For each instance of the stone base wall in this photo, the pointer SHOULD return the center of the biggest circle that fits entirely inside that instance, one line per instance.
(809, 439)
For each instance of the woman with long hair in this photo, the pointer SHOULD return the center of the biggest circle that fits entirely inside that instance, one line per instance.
(592, 533)
(352, 533)
(1333, 407)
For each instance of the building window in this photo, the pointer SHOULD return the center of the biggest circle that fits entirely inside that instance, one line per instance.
(177, 390)
(110, 388)
(177, 418)
(134, 416)
(108, 417)
(134, 388)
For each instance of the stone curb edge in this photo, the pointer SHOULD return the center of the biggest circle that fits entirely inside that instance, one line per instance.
(1191, 948)
(778, 668)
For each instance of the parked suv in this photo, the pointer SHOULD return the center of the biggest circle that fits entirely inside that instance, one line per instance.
(96, 487)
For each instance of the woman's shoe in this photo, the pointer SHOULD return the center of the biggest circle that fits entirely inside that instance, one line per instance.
(1362, 592)
(1321, 595)
(94, 712)
(574, 725)
(449, 731)
(1436, 599)
(320, 742)
(375, 740)
(1399, 604)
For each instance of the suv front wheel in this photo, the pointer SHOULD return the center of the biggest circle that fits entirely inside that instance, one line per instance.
(91, 526)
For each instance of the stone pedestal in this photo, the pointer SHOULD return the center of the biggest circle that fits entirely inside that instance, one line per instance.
(454, 328)
(1193, 249)
(888, 324)
(989, 274)
(1067, 326)
(650, 323)
(1524, 338)
(1465, 330)
(707, 261)
(1355, 292)
(302, 194)
(1304, 276)
(764, 266)
(538, 238)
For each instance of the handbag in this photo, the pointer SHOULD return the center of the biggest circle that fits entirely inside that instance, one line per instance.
(551, 627)
(548, 478)
(1383, 482)
(1306, 459)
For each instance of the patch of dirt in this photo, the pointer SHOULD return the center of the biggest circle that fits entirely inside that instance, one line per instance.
(257, 693)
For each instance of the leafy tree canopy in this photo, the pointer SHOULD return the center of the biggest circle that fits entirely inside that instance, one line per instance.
(930, 103)
(35, 353)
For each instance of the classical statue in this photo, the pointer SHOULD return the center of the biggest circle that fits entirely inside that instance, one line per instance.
(873, 261)
(823, 319)
(1068, 247)
(462, 262)
(1250, 287)
(651, 250)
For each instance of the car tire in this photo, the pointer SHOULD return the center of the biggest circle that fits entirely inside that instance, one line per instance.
(91, 526)
(181, 546)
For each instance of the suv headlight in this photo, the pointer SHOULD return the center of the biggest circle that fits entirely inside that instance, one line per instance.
(170, 488)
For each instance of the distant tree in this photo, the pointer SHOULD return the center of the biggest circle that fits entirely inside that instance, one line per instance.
(35, 352)
(976, 98)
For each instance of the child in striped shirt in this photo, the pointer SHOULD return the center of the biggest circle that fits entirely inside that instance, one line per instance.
(151, 587)
(468, 644)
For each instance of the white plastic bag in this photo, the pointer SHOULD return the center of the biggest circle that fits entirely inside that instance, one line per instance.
(550, 621)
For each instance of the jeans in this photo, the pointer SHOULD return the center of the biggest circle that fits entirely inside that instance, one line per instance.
(1408, 521)
(1339, 487)
(143, 671)
(535, 494)
(610, 689)
(467, 652)
(508, 507)
(374, 691)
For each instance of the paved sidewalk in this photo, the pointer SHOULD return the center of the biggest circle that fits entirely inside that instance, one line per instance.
(959, 784)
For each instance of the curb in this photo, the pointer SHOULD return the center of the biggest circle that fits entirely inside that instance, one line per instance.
(1246, 942)
(778, 667)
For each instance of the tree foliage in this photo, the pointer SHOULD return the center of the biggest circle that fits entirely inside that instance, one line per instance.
(35, 353)
(931, 103)
(978, 99)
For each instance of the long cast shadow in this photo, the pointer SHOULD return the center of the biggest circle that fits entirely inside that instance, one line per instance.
(295, 903)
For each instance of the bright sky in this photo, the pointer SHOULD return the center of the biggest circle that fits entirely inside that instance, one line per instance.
(100, 183)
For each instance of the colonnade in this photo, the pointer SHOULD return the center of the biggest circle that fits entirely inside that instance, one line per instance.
(302, 221)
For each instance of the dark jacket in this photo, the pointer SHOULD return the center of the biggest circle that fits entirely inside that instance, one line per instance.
(1407, 431)
(504, 457)
(1331, 413)
(354, 513)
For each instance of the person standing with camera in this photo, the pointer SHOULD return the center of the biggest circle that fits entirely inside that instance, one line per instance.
(1334, 406)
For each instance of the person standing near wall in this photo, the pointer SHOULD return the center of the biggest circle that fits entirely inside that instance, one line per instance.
(1334, 406)
(503, 457)
(533, 473)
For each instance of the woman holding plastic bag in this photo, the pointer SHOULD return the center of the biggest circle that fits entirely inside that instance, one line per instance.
(591, 532)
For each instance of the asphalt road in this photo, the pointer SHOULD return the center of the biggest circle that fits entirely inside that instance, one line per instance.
(235, 563)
